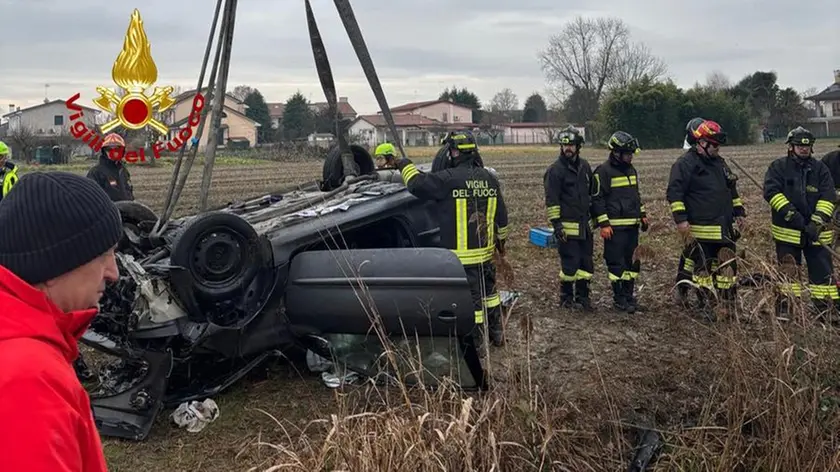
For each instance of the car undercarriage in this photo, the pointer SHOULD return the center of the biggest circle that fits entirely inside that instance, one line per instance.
(348, 268)
(219, 293)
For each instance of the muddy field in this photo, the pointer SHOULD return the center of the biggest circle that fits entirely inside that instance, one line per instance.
(590, 377)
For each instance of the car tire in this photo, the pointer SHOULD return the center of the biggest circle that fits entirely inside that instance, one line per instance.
(221, 252)
(333, 172)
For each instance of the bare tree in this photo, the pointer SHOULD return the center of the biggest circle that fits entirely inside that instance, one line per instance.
(594, 55)
(240, 92)
(551, 133)
(717, 81)
(24, 140)
(634, 62)
(504, 102)
(809, 92)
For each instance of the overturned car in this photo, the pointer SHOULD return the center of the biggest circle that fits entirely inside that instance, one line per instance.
(212, 296)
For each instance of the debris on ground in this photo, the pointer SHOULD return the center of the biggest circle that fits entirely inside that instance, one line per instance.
(195, 415)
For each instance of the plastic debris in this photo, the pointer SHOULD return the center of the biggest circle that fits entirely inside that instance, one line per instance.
(195, 415)
(508, 297)
(333, 380)
(316, 363)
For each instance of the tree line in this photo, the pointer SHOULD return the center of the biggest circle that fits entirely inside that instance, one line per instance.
(599, 77)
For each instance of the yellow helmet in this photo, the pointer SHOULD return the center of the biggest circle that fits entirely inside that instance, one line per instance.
(385, 149)
(4, 149)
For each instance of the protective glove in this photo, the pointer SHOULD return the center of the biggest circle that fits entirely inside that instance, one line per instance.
(607, 232)
(796, 220)
(559, 234)
(812, 233)
(645, 224)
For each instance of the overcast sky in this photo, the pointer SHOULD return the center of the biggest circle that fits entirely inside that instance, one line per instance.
(418, 47)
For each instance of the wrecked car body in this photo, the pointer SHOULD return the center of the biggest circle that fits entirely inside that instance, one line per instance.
(220, 292)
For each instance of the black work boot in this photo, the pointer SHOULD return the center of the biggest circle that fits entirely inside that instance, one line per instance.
(567, 294)
(582, 295)
(494, 328)
(821, 309)
(619, 300)
(629, 288)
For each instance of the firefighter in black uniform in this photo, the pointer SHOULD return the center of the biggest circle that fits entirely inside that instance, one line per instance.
(706, 206)
(832, 160)
(473, 220)
(111, 174)
(685, 267)
(619, 211)
(800, 191)
(568, 186)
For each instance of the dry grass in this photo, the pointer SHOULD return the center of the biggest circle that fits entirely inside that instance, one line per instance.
(570, 391)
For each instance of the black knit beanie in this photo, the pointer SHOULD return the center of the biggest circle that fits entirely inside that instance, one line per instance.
(54, 222)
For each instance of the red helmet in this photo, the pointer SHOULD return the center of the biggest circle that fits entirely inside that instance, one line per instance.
(710, 131)
(113, 140)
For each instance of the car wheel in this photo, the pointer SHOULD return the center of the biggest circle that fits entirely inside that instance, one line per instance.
(334, 170)
(222, 254)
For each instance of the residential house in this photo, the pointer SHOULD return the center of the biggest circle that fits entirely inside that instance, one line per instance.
(345, 109)
(51, 118)
(825, 121)
(417, 124)
(412, 130)
(444, 111)
(235, 126)
(46, 124)
(275, 111)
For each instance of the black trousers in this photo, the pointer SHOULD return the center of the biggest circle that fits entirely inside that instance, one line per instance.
(618, 254)
(820, 270)
(702, 258)
(487, 304)
(576, 258)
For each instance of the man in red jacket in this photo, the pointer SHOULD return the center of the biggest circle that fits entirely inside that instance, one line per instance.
(58, 233)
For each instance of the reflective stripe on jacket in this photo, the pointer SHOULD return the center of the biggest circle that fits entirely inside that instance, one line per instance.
(472, 212)
(568, 189)
(805, 187)
(10, 178)
(703, 191)
(616, 200)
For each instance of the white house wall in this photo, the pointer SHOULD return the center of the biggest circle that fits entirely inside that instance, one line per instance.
(41, 120)
(444, 112)
(367, 133)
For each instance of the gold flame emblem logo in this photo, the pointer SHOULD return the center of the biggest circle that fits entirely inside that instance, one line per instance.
(134, 71)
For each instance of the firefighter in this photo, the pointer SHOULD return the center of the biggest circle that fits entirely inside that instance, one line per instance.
(800, 191)
(384, 155)
(706, 207)
(473, 220)
(619, 211)
(8, 169)
(685, 267)
(568, 187)
(832, 160)
(110, 172)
